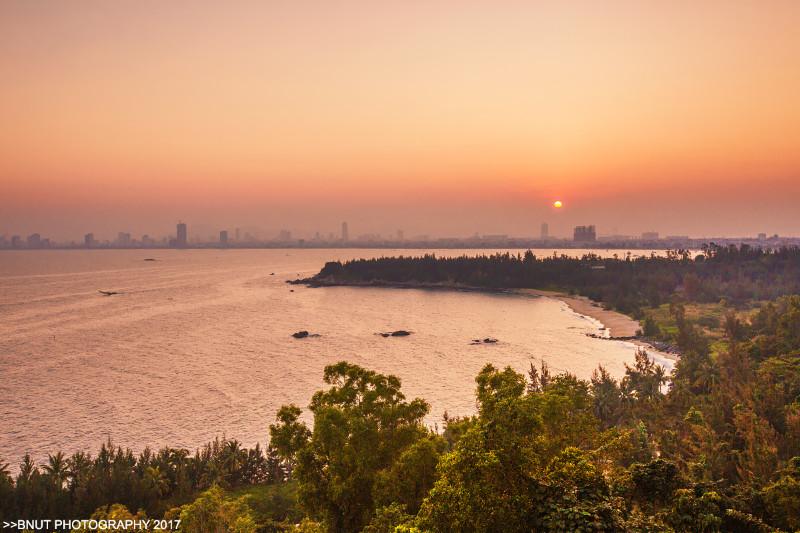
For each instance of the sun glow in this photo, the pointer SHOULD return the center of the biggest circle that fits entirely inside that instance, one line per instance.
(557, 204)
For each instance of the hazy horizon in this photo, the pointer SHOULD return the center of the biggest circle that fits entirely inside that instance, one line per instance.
(444, 118)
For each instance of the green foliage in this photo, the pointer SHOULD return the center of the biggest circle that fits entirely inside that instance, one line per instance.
(694, 510)
(112, 512)
(654, 482)
(362, 427)
(782, 498)
(212, 512)
(650, 328)
(388, 519)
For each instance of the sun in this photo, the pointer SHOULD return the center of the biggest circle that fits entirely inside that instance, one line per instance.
(557, 204)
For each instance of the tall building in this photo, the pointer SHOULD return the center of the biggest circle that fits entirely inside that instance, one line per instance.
(88, 240)
(650, 236)
(545, 232)
(16, 241)
(345, 232)
(585, 234)
(34, 240)
(181, 240)
(123, 239)
(223, 238)
(400, 235)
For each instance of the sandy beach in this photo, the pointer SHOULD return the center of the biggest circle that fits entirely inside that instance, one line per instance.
(619, 325)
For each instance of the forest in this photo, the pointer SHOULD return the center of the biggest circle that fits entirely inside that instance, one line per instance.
(738, 274)
(712, 446)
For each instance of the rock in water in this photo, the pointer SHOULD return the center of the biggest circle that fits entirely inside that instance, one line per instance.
(300, 334)
(401, 333)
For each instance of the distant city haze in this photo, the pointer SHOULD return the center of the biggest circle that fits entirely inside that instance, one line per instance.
(441, 118)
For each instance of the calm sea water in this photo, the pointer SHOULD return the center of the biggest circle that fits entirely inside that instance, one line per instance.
(198, 343)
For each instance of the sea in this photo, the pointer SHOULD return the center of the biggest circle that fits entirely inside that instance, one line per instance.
(197, 344)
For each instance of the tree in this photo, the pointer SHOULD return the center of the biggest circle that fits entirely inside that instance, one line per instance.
(645, 378)
(211, 512)
(782, 498)
(607, 397)
(362, 425)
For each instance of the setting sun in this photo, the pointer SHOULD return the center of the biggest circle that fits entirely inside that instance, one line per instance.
(557, 204)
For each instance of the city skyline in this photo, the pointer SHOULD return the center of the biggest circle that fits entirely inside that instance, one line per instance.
(183, 237)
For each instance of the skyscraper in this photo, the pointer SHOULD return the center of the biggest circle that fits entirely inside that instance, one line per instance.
(34, 240)
(223, 238)
(545, 231)
(585, 234)
(88, 240)
(181, 240)
(345, 233)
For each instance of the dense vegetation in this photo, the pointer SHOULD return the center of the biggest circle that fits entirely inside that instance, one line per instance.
(737, 274)
(715, 446)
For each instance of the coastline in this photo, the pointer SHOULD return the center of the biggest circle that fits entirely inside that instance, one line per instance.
(618, 325)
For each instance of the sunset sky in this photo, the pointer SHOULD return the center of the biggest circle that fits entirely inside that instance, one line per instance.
(437, 117)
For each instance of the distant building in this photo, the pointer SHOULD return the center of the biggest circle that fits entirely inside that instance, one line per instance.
(400, 236)
(285, 235)
(585, 234)
(762, 236)
(237, 234)
(88, 240)
(545, 231)
(181, 238)
(345, 232)
(16, 241)
(34, 240)
(650, 236)
(223, 238)
(123, 239)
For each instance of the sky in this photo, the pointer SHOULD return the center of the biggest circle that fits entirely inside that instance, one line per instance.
(440, 117)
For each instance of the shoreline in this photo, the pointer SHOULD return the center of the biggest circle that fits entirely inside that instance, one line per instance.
(619, 326)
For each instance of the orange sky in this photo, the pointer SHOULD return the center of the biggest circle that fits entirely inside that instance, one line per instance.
(444, 117)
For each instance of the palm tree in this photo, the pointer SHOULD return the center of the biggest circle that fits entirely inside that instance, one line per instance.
(232, 459)
(27, 469)
(56, 469)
